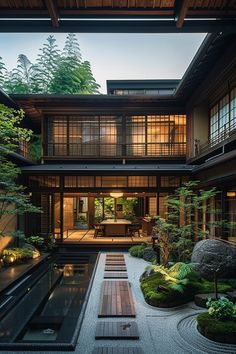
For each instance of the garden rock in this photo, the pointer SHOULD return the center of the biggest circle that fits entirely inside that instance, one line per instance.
(210, 254)
(148, 254)
(35, 251)
(146, 273)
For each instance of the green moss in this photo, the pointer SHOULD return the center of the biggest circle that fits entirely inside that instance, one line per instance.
(210, 325)
(137, 251)
(158, 291)
(203, 286)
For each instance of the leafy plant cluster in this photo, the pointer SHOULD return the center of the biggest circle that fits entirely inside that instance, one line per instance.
(54, 72)
(177, 232)
(16, 255)
(137, 250)
(46, 243)
(221, 309)
(13, 200)
(168, 287)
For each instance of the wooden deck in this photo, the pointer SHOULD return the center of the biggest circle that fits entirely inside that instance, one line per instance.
(117, 330)
(116, 299)
(86, 237)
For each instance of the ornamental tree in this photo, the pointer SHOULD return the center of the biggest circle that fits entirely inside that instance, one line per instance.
(13, 200)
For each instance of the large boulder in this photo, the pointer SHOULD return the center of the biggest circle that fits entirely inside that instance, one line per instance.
(208, 255)
(148, 254)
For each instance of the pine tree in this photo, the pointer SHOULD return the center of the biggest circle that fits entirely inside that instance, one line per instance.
(72, 48)
(47, 63)
(3, 72)
(24, 77)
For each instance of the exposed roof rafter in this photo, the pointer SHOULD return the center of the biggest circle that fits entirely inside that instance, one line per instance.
(181, 9)
(52, 10)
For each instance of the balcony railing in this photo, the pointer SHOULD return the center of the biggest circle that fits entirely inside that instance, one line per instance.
(115, 150)
(223, 137)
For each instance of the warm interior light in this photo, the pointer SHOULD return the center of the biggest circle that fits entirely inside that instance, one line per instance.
(231, 194)
(116, 194)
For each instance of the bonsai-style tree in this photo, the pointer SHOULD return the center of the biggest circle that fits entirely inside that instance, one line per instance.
(13, 200)
(177, 233)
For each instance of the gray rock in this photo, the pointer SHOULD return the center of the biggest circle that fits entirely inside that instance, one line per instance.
(146, 273)
(208, 255)
(148, 254)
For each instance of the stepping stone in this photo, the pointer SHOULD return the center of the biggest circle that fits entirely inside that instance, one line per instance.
(116, 268)
(118, 350)
(115, 275)
(117, 330)
(114, 259)
(116, 299)
(112, 263)
(114, 255)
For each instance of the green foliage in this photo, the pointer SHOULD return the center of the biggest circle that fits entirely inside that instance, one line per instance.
(128, 207)
(176, 285)
(36, 241)
(210, 325)
(3, 71)
(55, 71)
(13, 200)
(16, 255)
(137, 251)
(221, 309)
(35, 148)
(46, 243)
(166, 235)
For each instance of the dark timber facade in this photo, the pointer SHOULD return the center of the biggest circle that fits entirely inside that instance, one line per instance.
(143, 146)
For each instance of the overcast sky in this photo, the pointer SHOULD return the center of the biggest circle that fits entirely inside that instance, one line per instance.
(116, 56)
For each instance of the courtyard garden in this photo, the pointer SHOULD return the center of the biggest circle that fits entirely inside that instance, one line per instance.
(186, 263)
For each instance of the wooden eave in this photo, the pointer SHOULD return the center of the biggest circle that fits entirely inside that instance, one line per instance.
(180, 12)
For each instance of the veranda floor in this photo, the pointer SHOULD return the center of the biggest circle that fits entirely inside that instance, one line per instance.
(87, 237)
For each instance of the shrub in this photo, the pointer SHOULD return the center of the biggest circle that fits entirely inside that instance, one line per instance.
(221, 309)
(176, 285)
(137, 251)
(16, 255)
(218, 330)
(36, 241)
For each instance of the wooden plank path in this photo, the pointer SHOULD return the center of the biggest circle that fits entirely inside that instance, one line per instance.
(116, 275)
(116, 299)
(115, 263)
(115, 268)
(116, 330)
(118, 350)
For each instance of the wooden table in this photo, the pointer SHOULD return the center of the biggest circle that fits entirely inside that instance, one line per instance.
(116, 228)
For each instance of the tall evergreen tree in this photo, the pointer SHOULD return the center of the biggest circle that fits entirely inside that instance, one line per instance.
(88, 84)
(72, 48)
(3, 72)
(47, 62)
(24, 77)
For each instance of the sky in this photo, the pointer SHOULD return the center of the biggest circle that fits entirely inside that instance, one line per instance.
(115, 56)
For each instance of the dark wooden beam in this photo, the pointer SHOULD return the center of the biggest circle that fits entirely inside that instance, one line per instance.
(51, 7)
(181, 12)
(118, 26)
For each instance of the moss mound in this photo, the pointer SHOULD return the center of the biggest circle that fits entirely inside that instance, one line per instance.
(223, 331)
(137, 251)
(159, 292)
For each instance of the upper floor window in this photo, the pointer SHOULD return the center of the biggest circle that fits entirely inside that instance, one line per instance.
(223, 118)
(116, 136)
